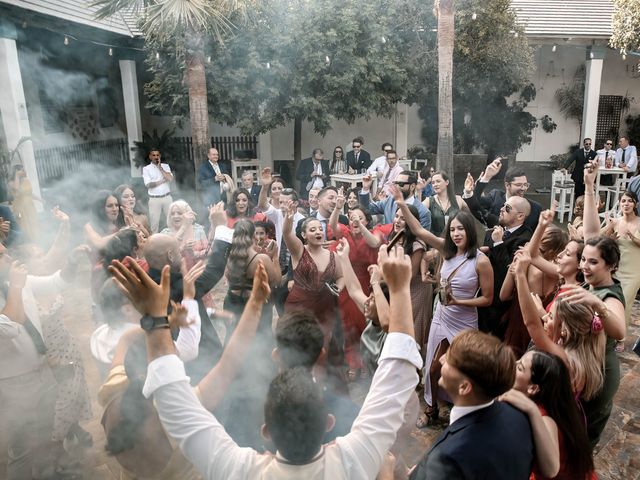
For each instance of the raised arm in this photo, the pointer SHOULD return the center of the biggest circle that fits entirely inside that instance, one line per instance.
(371, 240)
(335, 214)
(531, 319)
(292, 242)
(350, 280)
(265, 180)
(214, 385)
(54, 258)
(413, 223)
(591, 220)
(94, 239)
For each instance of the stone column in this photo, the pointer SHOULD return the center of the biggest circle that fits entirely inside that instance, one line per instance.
(13, 106)
(594, 61)
(402, 129)
(264, 150)
(131, 109)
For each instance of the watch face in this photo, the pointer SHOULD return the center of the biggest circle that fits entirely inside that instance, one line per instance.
(146, 322)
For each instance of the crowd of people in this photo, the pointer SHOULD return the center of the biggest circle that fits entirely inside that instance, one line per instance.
(472, 311)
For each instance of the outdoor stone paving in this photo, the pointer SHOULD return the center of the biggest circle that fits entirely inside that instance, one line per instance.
(617, 456)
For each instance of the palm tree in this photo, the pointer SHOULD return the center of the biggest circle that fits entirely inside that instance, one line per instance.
(446, 34)
(193, 20)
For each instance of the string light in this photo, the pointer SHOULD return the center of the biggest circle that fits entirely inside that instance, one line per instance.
(66, 40)
(327, 60)
(591, 55)
(209, 59)
(157, 56)
(110, 52)
(554, 48)
(268, 65)
(474, 16)
(383, 40)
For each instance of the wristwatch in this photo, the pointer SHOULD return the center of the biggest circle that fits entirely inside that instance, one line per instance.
(147, 322)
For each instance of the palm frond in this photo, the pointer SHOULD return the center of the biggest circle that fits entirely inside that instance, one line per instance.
(107, 8)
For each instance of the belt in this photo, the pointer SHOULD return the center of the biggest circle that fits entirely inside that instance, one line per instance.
(160, 196)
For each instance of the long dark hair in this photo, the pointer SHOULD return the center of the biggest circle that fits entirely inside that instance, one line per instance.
(232, 211)
(451, 193)
(238, 260)
(134, 408)
(409, 236)
(609, 250)
(99, 220)
(334, 159)
(555, 394)
(138, 208)
(468, 223)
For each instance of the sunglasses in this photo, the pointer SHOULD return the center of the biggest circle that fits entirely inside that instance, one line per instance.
(508, 208)
(356, 146)
(609, 143)
(401, 184)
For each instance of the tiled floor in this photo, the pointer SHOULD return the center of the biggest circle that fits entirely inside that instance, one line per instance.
(617, 457)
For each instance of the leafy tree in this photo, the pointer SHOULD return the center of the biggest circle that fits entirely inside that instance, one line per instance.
(626, 25)
(182, 26)
(491, 65)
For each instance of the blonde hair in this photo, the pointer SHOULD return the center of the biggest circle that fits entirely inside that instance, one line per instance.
(182, 205)
(585, 348)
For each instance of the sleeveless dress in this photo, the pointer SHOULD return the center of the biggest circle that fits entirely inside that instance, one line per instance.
(628, 272)
(310, 292)
(439, 217)
(450, 320)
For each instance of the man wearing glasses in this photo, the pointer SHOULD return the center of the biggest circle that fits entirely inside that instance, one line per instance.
(488, 206)
(358, 159)
(377, 167)
(606, 159)
(580, 158)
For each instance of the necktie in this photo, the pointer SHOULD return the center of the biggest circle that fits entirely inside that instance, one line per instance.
(624, 151)
(506, 235)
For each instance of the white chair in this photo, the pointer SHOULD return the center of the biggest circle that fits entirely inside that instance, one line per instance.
(563, 192)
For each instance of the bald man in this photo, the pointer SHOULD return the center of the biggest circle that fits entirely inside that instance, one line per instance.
(501, 244)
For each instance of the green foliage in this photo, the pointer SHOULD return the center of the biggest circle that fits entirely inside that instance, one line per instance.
(547, 124)
(491, 66)
(571, 97)
(163, 142)
(633, 128)
(626, 25)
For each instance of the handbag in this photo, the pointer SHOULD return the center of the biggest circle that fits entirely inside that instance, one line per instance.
(444, 290)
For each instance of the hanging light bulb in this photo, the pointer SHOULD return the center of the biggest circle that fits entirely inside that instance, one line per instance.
(268, 65)
(110, 52)
(157, 55)
(66, 40)
(208, 58)
(554, 48)
(474, 15)
(383, 40)
(624, 56)
(591, 55)
(327, 60)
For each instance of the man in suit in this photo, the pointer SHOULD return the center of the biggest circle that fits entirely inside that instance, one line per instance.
(406, 181)
(580, 158)
(501, 243)
(485, 438)
(211, 178)
(252, 187)
(358, 159)
(313, 172)
(627, 156)
(486, 207)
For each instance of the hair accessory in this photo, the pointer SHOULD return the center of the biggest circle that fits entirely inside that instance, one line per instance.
(596, 324)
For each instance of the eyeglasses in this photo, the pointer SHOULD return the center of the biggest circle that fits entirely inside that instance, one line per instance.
(521, 185)
(587, 144)
(609, 143)
(356, 146)
(508, 208)
(387, 150)
(401, 184)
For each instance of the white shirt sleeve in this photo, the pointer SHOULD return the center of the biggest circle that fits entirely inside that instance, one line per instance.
(8, 328)
(382, 414)
(146, 176)
(632, 160)
(189, 337)
(201, 437)
(45, 285)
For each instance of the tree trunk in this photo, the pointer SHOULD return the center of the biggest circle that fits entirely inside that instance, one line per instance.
(446, 34)
(297, 145)
(198, 110)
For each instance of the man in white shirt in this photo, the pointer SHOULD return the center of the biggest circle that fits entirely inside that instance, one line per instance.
(27, 385)
(391, 171)
(606, 154)
(378, 165)
(295, 418)
(626, 156)
(157, 177)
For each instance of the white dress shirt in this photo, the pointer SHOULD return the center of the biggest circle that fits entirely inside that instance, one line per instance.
(275, 216)
(458, 412)
(602, 156)
(355, 456)
(18, 354)
(150, 174)
(389, 176)
(630, 158)
(378, 165)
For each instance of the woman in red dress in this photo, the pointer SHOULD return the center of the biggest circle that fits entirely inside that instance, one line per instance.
(317, 278)
(241, 207)
(363, 251)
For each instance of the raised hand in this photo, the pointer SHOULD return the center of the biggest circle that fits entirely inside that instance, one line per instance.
(375, 274)
(367, 181)
(522, 262)
(469, 183)
(590, 173)
(59, 214)
(17, 275)
(179, 316)
(396, 193)
(396, 267)
(266, 178)
(189, 278)
(260, 291)
(343, 248)
(146, 295)
(493, 168)
(340, 199)
(546, 216)
(497, 233)
(217, 215)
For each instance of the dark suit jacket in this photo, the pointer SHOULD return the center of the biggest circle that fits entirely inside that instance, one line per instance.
(491, 203)
(209, 186)
(492, 443)
(500, 256)
(210, 347)
(579, 158)
(364, 160)
(304, 175)
(255, 192)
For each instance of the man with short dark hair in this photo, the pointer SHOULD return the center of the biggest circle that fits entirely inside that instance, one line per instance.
(579, 158)
(406, 181)
(377, 167)
(626, 156)
(157, 177)
(358, 159)
(485, 438)
(390, 172)
(313, 172)
(294, 416)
